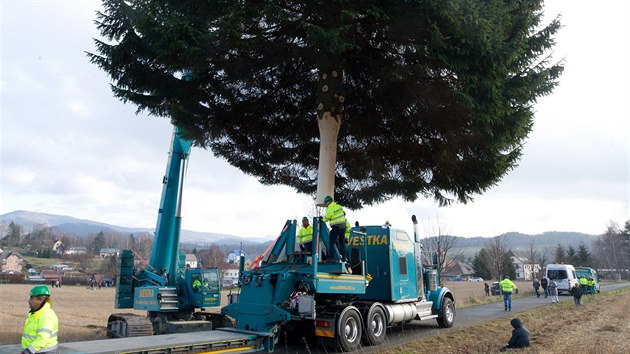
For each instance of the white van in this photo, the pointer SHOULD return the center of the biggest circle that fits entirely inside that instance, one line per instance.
(563, 274)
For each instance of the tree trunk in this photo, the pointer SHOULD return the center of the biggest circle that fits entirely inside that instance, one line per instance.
(330, 100)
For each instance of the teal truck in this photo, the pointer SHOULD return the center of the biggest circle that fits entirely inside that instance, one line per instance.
(388, 280)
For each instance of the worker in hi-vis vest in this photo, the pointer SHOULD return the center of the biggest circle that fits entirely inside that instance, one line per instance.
(305, 236)
(336, 217)
(506, 288)
(41, 325)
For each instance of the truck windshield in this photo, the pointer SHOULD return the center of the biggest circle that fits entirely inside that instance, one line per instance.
(211, 279)
(585, 272)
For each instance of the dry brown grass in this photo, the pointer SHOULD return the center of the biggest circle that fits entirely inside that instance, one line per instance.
(471, 293)
(82, 312)
(600, 325)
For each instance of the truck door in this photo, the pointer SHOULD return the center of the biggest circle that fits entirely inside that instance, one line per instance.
(211, 288)
(196, 285)
(404, 274)
(403, 278)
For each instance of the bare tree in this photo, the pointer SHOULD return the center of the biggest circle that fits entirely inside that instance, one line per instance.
(612, 250)
(443, 246)
(143, 246)
(498, 250)
(534, 260)
(211, 257)
(543, 262)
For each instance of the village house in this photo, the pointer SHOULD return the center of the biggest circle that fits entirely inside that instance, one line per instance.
(525, 269)
(191, 260)
(108, 252)
(456, 270)
(11, 262)
(75, 250)
(229, 277)
(233, 257)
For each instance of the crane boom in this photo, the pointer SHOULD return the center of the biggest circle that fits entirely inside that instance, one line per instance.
(164, 253)
(175, 296)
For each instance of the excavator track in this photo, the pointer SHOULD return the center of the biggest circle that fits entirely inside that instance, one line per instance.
(121, 325)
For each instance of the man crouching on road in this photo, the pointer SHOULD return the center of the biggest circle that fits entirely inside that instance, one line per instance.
(520, 336)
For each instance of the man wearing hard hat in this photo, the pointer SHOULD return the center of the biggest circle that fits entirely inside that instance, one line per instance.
(41, 325)
(336, 217)
(507, 286)
(305, 236)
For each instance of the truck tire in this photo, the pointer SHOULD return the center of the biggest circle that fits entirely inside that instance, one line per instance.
(349, 329)
(447, 314)
(375, 326)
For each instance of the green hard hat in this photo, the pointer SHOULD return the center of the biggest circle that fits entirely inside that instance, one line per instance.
(40, 290)
(327, 199)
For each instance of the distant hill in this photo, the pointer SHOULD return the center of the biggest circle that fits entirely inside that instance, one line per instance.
(80, 227)
(520, 243)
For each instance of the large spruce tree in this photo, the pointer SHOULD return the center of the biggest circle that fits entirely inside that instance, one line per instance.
(435, 97)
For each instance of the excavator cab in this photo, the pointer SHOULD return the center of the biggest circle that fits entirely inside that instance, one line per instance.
(203, 287)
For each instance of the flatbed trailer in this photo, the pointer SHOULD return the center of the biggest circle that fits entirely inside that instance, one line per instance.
(217, 341)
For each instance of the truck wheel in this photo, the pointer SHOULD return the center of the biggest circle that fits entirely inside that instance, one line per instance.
(349, 329)
(375, 326)
(447, 315)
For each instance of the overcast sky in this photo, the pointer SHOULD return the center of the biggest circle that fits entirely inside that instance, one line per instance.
(69, 147)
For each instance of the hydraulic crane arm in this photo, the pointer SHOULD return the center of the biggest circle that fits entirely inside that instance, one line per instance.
(164, 253)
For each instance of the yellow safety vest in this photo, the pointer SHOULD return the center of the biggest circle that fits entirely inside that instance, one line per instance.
(40, 330)
(335, 214)
(507, 285)
(305, 234)
(348, 227)
(583, 281)
(591, 282)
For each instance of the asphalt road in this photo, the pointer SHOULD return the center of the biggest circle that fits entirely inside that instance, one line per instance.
(464, 317)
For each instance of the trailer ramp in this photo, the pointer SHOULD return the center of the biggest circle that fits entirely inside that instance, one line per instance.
(194, 342)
